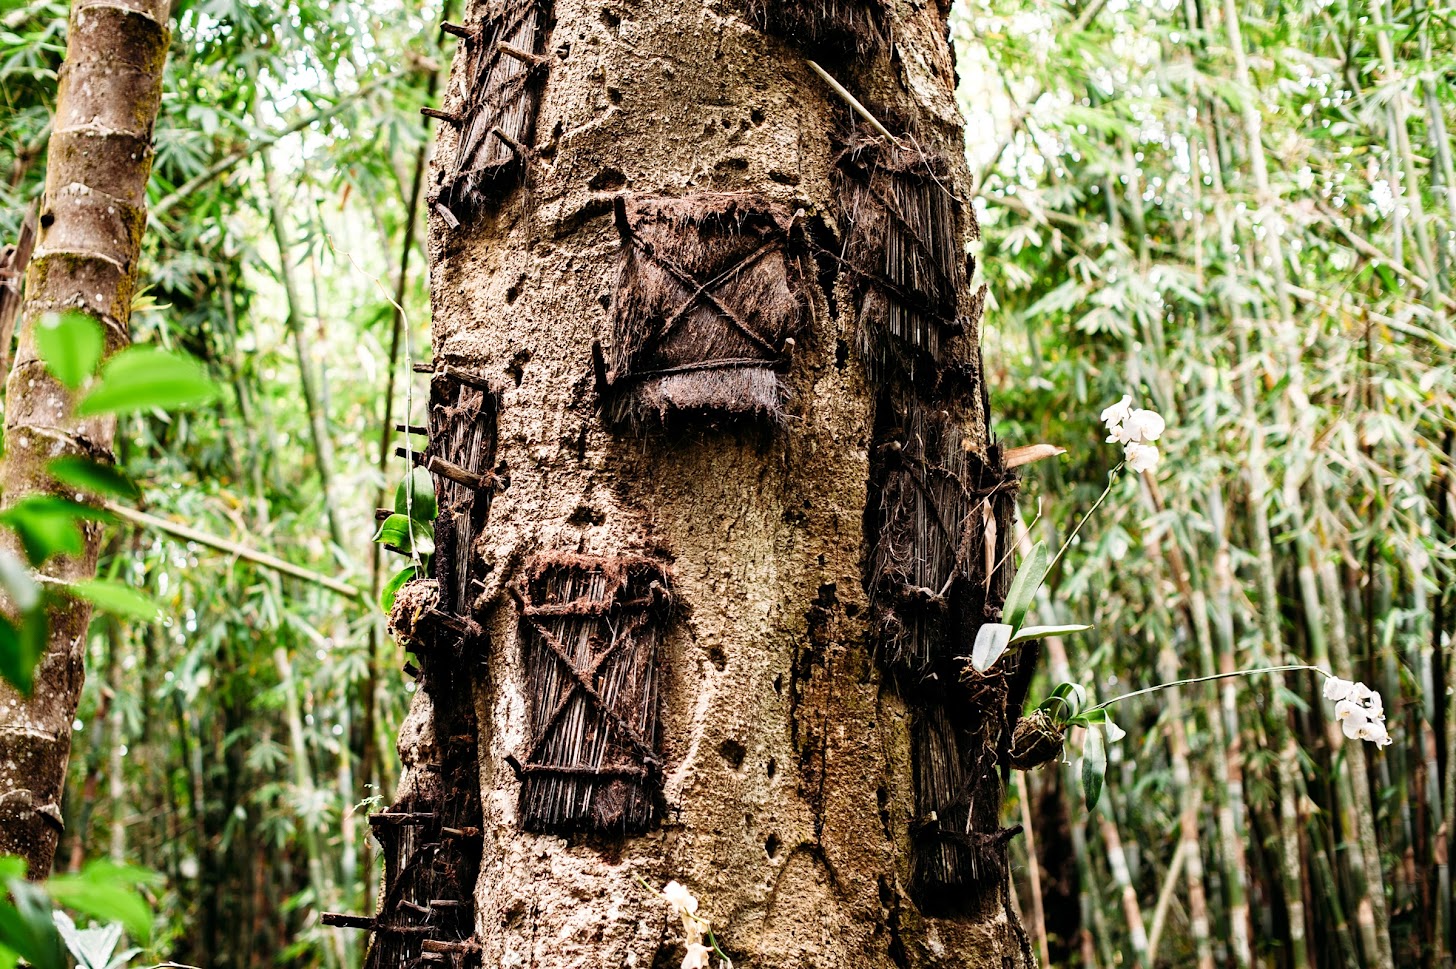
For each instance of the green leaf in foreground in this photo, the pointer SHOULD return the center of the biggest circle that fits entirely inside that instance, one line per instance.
(1029, 578)
(399, 533)
(107, 892)
(26, 927)
(118, 599)
(20, 648)
(1042, 632)
(415, 496)
(392, 587)
(140, 378)
(70, 345)
(48, 525)
(84, 474)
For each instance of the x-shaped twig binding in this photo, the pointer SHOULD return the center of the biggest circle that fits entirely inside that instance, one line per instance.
(592, 631)
(584, 682)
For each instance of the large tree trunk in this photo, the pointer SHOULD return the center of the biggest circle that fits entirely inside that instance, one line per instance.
(726, 519)
(91, 223)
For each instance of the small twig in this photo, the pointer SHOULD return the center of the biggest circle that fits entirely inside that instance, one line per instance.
(233, 548)
(853, 102)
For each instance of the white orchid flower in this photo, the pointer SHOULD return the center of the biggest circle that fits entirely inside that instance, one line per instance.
(697, 956)
(1118, 412)
(680, 899)
(1143, 426)
(1337, 688)
(1141, 457)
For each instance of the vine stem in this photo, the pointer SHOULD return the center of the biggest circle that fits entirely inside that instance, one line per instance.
(1294, 667)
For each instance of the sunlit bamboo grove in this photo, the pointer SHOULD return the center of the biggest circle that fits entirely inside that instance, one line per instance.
(1243, 215)
(1246, 216)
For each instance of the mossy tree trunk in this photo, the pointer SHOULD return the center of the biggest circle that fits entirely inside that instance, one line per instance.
(91, 223)
(704, 384)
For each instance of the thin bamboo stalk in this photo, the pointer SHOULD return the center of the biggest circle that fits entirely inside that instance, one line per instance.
(303, 779)
(317, 420)
(232, 548)
(1033, 870)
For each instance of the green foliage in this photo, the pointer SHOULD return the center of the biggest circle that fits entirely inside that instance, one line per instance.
(142, 378)
(31, 928)
(70, 344)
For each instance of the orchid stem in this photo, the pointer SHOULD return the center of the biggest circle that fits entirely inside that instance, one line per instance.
(1111, 480)
(1206, 679)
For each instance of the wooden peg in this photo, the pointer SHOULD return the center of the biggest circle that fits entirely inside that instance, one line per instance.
(342, 921)
(447, 215)
(445, 116)
(460, 30)
(515, 146)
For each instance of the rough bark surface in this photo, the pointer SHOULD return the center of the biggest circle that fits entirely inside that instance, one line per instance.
(787, 739)
(91, 223)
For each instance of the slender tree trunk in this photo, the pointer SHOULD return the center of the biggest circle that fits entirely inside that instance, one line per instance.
(826, 807)
(91, 226)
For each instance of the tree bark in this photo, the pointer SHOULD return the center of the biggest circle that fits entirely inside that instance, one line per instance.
(796, 747)
(91, 224)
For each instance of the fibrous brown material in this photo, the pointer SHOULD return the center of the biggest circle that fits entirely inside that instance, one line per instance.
(940, 521)
(960, 847)
(706, 306)
(827, 29)
(1037, 740)
(505, 71)
(593, 629)
(901, 221)
(430, 835)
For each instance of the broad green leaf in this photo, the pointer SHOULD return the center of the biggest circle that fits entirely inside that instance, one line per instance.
(107, 892)
(70, 345)
(396, 531)
(392, 587)
(991, 642)
(20, 649)
(415, 496)
(92, 476)
(1065, 702)
(1042, 632)
(16, 580)
(1028, 579)
(48, 525)
(26, 927)
(116, 598)
(1094, 766)
(140, 378)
